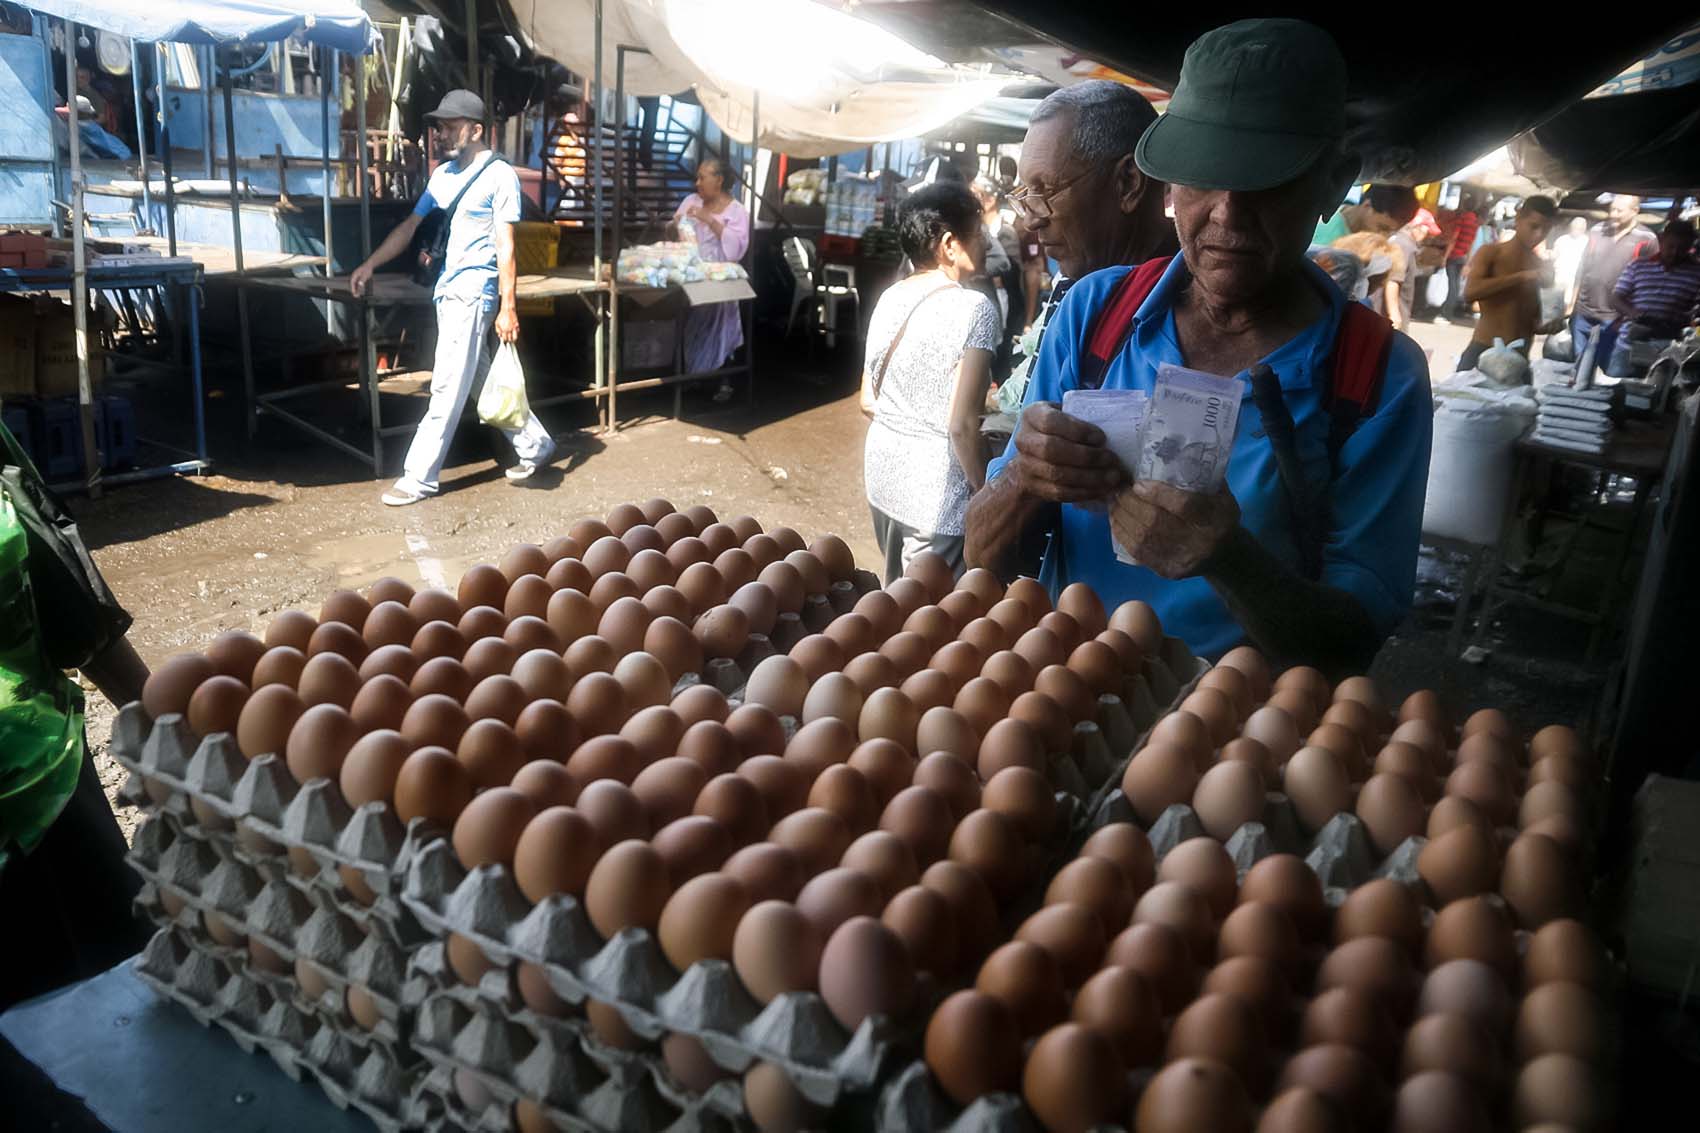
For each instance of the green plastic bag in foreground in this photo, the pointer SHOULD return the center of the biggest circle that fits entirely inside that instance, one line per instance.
(41, 710)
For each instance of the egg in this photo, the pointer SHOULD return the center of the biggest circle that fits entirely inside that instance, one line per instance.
(292, 628)
(769, 872)
(1028, 981)
(598, 702)
(942, 729)
(605, 757)
(1012, 673)
(1560, 1089)
(1188, 732)
(888, 714)
(546, 730)
(490, 826)
(776, 949)
(216, 705)
(1181, 908)
(833, 896)
(546, 783)
(1159, 776)
(972, 908)
(489, 657)
(1381, 907)
(1024, 797)
(527, 597)
(922, 920)
(1538, 881)
(1202, 865)
(774, 1103)
(737, 804)
(1470, 988)
(1096, 884)
(991, 845)
(690, 846)
(1315, 780)
(266, 719)
(1124, 845)
(1121, 1005)
(1194, 1094)
(279, 665)
(1563, 950)
(1455, 1044)
(1350, 1016)
(1287, 883)
(370, 768)
(987, 636)
(1260, 985)
(1228, 796)
(432, 784)
(689, 1063)
(169, 688)
(817, 836)
(783, 786)
(319, 741)
(1223, 1028)
(1374, 965)
(1461, 862)
(973, 1047)
(1049, 722)
(1391, 810)
(1098, 666)
(1275, 728)
(1010, 743)
(1345, 1076)
(627, 888)
(1490, 720)
(757, 730)
(482, 621)
(1296, 702)
(1072, 934)
(1559, 1018)
(1074, 1079)
(871, 672)
(1254, 928)
(668, 789)
(922, 819)
(887, 766)
(700, 703)
(865, 970)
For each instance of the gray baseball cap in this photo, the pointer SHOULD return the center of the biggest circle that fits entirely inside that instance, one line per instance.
(1258, 102)
(459, 104)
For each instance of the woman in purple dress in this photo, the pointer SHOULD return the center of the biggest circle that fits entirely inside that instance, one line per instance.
(722, 228)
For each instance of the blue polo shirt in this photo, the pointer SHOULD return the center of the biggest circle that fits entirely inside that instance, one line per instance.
(1376, 490)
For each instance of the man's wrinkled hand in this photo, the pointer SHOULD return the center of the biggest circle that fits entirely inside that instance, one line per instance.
(1061, 458)
(507, 324)
(1173, 532)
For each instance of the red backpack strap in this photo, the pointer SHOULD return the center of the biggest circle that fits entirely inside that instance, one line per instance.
(1361, 348)
(1113, 322)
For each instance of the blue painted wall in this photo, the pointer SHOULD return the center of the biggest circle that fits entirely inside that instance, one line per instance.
(26, 133)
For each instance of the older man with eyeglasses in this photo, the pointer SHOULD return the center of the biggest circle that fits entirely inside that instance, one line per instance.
(1082, 198)
(1308, 549)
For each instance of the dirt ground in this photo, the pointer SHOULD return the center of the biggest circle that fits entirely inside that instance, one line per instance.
(283, 522)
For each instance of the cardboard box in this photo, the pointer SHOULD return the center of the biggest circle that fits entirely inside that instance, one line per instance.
(56, 352)
(17, 347)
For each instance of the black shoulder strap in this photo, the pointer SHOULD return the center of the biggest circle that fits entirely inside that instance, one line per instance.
(448, 213)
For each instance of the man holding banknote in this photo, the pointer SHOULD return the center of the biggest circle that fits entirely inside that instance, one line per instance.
(1225, 435)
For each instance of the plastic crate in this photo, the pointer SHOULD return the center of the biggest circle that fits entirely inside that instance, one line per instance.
(17, 421)
(59, 439)
(115, 431)
(537, 247)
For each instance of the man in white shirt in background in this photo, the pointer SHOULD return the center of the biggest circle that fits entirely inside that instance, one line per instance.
(474, 293)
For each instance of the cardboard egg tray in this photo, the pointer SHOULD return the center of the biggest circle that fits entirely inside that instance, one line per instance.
(216, 991)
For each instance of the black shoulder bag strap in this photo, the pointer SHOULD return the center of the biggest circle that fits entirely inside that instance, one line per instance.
(435, 251)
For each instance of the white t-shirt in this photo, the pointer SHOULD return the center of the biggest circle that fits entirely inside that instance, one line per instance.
(907, 466)
(469, 263)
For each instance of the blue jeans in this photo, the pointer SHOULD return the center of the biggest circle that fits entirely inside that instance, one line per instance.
(1581, 326)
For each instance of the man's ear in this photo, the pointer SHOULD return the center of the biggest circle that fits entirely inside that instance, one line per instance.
(1130, 184)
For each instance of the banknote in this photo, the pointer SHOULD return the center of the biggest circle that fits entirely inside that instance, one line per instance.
(1118, 412)
(1189, 429)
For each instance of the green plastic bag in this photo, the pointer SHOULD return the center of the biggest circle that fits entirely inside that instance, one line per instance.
(41, 710)
(502, 402)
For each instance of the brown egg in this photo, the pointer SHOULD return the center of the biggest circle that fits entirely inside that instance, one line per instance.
(921, 817)
(776, 949)
(1011, 672)
(1287, 883)
(817, 836)
(598, 702)
(700, 920)
(991, 845)
(1461, 862)
(1161, 775)
(1298, 706)
(1558, 1089)
(700, 703)
(1028, 981)
(1074, 1079)
(1316, 781)
(870, 672)
(769, 872)
(266, 720)
(1470, 988)
(737, 804)
(1490, 720)
(293, 628)
(546, 730)
(1381, 907)
(1098, 666)
(1455, 1044)
(328, 678)
(888, 714)
(216, 705)
(973, 1047)
(1261, 930)
(1374, 965)
(887, 766)
(668, 602)
(1259, 984)
(588, 530)
(606, 556)
(528, 597)
(1072, 934)
(1024, 797)
(319, 741)
(523, 559)
(1228, 796)
(865, 970)
(496, 697)
(987, 636)
(1010, 743)
(786, 584)
(1065, 629)
(1352, 1017)
(610, 588)
(482, 621)
(668, 789)
(655, 731)
(650, 569)
(433, 604)
(432, 784)
(1223, 1028)
(1275, 729)
(1563, 950)
(1391, 810)
(370, 768)
(1124, 845)
(1186, 731)
(1126, 648)
(1097, 884)
(947, 730)
(346, 607)
(759, 604)
(571, 615)
(691, 846)
(1204, 866)
(489, 828)
(982, 703)
(489, 657)
(398, 661)
(234, 653)
(737, 567)
(482, 585)
(783, 786)
(819, 745)
(546, 783)
(280, 665)
(605, 757)
(1049, 722)
(1195, 1094)
(1121, 1005)
(846, 792)
(1539, 881)
(1181, 908)
(628, 888)
(723, 631)
(757, 730)
(1345, 1076)
(1426, 735)
(1473, 928)
(972, 908)
(1559, 1018)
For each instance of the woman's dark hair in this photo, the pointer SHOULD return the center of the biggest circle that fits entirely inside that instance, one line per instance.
(931, 212)
(719, 168)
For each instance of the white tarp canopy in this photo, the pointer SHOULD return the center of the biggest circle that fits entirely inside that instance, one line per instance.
(333, 23)
(827, 82)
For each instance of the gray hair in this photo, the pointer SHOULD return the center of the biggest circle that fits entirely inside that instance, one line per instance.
(1108, 117)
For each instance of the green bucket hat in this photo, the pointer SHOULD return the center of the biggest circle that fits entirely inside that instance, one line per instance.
(1258, 102)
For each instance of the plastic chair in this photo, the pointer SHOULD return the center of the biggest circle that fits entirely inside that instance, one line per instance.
(827, 285)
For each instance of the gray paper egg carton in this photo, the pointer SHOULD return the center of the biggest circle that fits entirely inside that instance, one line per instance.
(913, 1103)
(707, 1001)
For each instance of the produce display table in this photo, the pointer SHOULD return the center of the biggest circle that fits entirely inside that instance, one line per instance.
(1638, 451)
(142, 1065)
(390, 292)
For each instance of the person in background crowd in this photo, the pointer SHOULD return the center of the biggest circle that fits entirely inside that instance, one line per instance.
(473, 295)
(1658, 295)
(1083, 197)
(930, 345)
(1006, 174)
(65, 889)
(1612, 244)
(1465, 223)
(714, 331)
(1505, 280)
(1567, 253)
(1383, 209)
(1399, 292)
(1003, 268)
(1253, 146)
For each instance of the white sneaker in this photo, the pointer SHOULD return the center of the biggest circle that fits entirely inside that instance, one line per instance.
(401, 494)
(723, 394)
(526, 469)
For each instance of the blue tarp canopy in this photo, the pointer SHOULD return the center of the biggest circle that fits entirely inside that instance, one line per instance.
(333, 23)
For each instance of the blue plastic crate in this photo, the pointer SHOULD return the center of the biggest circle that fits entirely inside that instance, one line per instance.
(17, 419)
(115, 431)
(59, 439)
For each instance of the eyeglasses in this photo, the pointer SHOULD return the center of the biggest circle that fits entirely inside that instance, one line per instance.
(1035, 204)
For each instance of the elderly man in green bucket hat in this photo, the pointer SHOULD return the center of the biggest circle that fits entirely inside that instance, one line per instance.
(1307, 550)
